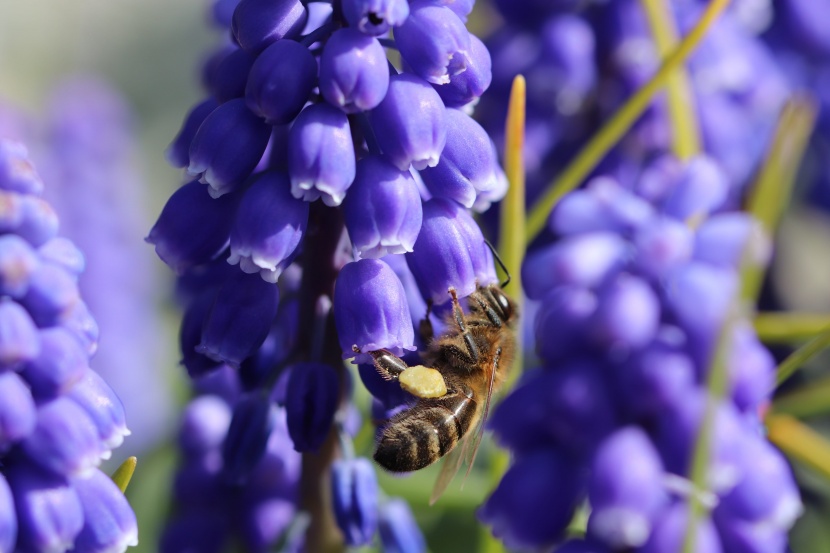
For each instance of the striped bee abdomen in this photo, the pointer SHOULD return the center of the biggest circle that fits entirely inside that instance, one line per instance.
(423, 434)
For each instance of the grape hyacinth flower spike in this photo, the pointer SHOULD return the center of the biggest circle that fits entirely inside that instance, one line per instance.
(302, 173)
(58, 418)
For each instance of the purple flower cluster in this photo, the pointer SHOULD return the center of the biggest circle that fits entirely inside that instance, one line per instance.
(632, 298)
(582, 64)
(58, 418)
(633, 282)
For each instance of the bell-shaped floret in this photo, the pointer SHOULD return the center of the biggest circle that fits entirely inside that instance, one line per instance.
(103, 407)
(268, 227)
(18, 413)
(321, 159)
(354, 488)
(468, 86)
(311, 401)
(468, 165)
(280, 82)
(258, 23)
(450, 253)
(193, 228)
(109, 522)
(625, 489)
(371, 310)
(18, 262)
(240, 318)
(178, 152)
(383, 209)
(61, 363)
(410, 136)
(17, 172)
(534, 501)
(227, 147)
(433, 41)
(670, 531)
(251, 425)
(398, 529)
(65, 439)
(375, 17)
(49, 513)
(19, 340)
(354, 71)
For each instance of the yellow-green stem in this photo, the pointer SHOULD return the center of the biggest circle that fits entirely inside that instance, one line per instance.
(681, 102)
(800, 442)
(802, 355)
(771, 191)
(511, 249)
(610, 133)
(786, 328)
(808, 400)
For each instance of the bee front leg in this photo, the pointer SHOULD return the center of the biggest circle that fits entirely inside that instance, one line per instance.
(458, 313)
(389, 365)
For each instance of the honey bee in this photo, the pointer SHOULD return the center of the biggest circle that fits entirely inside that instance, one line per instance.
(473, 356)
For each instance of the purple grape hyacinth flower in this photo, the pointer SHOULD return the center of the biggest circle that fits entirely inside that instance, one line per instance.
(50, 439)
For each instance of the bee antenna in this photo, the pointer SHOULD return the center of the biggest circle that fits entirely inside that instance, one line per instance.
(500, 262)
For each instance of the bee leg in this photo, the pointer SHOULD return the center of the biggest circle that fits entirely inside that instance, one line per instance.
(484, 303)
(389, 365)
(458, 313)
(425, 326)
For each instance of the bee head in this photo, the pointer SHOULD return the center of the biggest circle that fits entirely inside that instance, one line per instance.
(501, 303)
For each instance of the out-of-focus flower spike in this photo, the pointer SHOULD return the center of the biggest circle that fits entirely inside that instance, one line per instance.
(190, 336)
(193, 228)
(268, 227)
(627, 315)
(49, 513)
(662, 245)
(321, 157)
(467, 86)
(383, 209)
(582, 546)
(227, 147)
(62, 362)
(702, 188)
(562, 322)
(178, 152)
(18, 262)
(239, 319)
(99, 401)
(310, 404)
(280, 82)
(38, 221)
(18, 413)
(399, 533)
(354, 71)
(725, 238)
(433, 42)
(450, 252)
(19, 340)
(375, 17)
(371, 310)
(625, 489)
(65, 439)
(110, 524)
(251, 425)
(263, 522)
(355, 499)
(17, 173)
(468, 163)
(258, 23)
(8, 518)
(407, 136)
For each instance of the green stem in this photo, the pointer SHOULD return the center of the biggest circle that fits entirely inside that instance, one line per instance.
(786, 328)
(801, 356)
(608, 136)
(511, 250)
(685, 132)
(800, 442)
(809, 400)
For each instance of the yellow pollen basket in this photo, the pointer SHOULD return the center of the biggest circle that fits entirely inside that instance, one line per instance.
(423, 382)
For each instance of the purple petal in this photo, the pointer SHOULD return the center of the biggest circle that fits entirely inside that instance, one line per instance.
(354, 71)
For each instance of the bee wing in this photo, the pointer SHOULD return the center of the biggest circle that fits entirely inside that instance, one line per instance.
(449, 467)
(479, 432)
